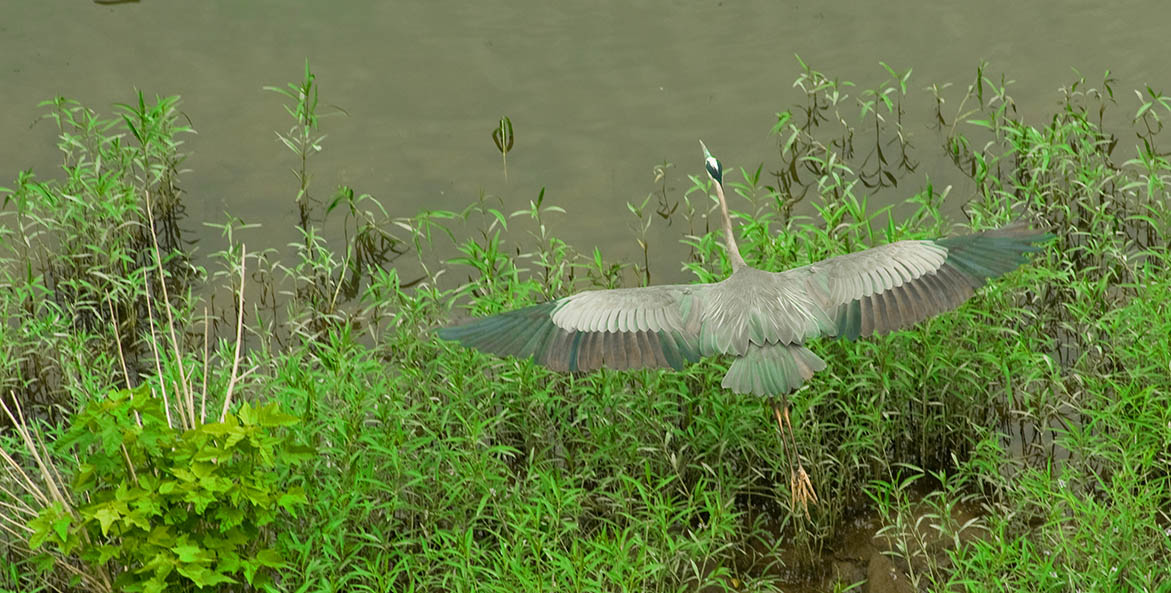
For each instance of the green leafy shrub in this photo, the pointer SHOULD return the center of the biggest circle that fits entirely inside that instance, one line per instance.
(168, 510)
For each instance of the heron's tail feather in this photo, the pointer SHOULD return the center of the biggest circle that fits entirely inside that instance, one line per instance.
(773, 369)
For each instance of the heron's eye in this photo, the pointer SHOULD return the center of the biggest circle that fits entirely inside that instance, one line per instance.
(715, 169)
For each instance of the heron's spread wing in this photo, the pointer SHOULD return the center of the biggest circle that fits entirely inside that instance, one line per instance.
(656, 326)
(895, 285)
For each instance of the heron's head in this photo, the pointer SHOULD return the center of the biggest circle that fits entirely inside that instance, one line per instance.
(714, 169)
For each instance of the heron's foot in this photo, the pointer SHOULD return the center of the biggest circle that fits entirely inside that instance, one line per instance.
(802, 491)
(800, 486)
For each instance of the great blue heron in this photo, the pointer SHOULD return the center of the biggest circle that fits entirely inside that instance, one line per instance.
(761, 319)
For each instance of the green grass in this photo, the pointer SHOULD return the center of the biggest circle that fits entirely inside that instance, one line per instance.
(1018, 443)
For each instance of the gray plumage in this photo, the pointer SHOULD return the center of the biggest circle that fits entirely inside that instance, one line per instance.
(762, 319)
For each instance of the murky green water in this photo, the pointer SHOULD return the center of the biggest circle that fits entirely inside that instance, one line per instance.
(598, 92)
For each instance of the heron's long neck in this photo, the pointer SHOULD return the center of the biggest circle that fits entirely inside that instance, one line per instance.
(729, 235)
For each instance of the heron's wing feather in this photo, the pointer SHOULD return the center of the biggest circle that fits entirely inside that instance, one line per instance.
(656, 326)
(895, 285)
(672, 308)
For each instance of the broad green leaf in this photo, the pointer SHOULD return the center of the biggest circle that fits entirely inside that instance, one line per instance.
(228, 562)
(154, 585)
(161, 536)
(138, 518)
(201, 576)
(270, 557)
(43, 562)
(230, 516)
(293, 496)
(106, 516)
(61, 526)
(203, 469)
(215, 484)
(106, 552)
(219, 428)
(200, 499)
(212, 453)
(190, 553)
(42, 527)
(246, 414)
(270, 415)
(84, 480)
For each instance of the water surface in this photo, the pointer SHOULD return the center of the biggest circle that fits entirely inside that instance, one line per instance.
(598, 92)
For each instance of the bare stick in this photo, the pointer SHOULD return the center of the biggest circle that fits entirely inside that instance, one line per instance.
(18, 422)
(188, 397)
(203, 396)
(118, 342)
(239, 330)
(154, 347)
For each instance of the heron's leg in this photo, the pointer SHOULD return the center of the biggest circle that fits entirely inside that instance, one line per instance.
(800, 486)
(789, 454)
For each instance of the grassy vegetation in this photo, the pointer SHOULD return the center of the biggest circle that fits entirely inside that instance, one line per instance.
(310, 433)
